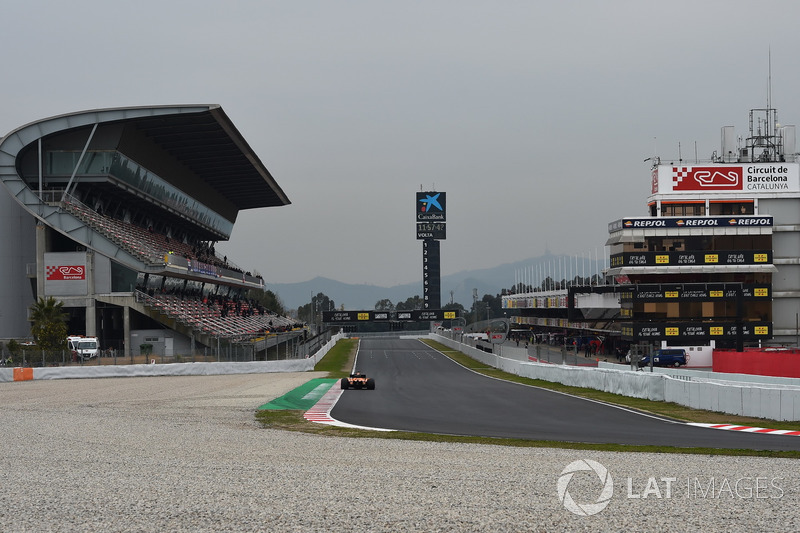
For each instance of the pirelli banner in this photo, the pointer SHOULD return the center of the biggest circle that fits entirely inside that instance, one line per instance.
(695, 292)
(691, 333)
(697, 258)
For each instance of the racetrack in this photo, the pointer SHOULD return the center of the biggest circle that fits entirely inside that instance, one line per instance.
(420, 389)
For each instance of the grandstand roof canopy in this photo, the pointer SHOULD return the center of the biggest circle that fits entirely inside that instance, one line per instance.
(200, 136)
(209, 144)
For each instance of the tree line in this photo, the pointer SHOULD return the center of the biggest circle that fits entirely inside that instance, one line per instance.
(312, 311)
(489, 306)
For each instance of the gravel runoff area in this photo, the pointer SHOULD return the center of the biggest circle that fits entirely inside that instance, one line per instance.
(186, 454)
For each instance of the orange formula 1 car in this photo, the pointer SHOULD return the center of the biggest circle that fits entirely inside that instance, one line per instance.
(358, 380)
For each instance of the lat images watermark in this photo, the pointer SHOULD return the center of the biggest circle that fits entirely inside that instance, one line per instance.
(664, 487)
(585, 509)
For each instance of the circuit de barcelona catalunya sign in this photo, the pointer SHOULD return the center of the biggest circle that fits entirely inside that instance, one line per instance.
(752, 178)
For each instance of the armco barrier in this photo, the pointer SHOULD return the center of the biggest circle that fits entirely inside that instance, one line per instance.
(770, 400)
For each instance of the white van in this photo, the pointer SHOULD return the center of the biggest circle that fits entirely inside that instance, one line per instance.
(83, 347)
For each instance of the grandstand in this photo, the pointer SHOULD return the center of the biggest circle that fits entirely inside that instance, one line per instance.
(116, 212)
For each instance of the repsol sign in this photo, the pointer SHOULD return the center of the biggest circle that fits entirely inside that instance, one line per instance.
(680, 222)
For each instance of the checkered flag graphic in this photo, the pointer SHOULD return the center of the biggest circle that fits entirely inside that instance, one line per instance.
(679, 174)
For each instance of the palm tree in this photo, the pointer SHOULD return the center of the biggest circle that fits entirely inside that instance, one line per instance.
(49, 324)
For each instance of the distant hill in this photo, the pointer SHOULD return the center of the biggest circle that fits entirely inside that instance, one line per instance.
(355, 297)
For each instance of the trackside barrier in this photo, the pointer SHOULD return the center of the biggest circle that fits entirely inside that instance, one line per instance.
(169, 369)
(23, 374)
(690, 374)
(763, 400)
(327, 347)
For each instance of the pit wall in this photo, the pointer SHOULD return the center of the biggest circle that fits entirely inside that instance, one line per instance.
(169, 369)
(771, 399)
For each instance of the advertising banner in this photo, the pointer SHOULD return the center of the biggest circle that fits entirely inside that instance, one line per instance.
(696, 333)
(431, 207)
(417, 315)
(696, 258)
(695, 292)
(65, 274)
(433, 314)
(690, 222)
(750, 178)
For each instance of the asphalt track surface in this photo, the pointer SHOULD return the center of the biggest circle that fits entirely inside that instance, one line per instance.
(420, 389)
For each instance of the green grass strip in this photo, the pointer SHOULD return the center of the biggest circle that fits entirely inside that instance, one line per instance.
(339, 359)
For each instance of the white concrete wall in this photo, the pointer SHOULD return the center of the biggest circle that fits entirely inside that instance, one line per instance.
(176, 369)
(171, 369)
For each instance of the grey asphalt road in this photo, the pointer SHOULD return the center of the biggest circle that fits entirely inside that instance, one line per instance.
(420, 389)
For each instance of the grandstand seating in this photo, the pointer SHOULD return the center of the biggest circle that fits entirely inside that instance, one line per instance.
(221, 318)
(215, 319)
(149, 246)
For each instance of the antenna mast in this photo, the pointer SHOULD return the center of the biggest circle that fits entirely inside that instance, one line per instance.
(764, 143)
(769, 78)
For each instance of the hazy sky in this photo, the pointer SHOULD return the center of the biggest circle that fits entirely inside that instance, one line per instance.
(534, 117)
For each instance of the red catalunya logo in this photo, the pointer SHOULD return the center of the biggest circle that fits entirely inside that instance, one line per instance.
(62, 273)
